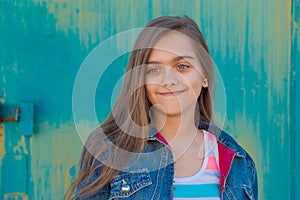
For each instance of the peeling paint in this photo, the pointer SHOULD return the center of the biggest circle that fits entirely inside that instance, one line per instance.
(20, 148)
(73, 15)
(2, 153)
(15, 196)
(247, 133)
(2, 149)
(54, 152)
(69, 176)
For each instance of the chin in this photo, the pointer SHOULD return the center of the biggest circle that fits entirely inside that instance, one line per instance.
(170, 111)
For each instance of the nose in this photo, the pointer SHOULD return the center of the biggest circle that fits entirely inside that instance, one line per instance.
(170, 78)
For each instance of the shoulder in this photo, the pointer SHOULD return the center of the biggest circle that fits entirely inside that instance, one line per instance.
(229, 142)
(242, 166)
(240, 153)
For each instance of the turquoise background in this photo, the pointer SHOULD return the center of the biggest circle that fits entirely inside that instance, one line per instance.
(255, 44)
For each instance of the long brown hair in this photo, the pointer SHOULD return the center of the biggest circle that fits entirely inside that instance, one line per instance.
(127, 125)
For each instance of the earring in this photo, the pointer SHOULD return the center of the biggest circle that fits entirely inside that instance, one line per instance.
(205, 83)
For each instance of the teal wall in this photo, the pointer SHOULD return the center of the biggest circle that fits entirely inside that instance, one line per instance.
(255, 44)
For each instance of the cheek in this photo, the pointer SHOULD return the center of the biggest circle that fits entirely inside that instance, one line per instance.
(150, 91)
(197, 89)
(195, 83)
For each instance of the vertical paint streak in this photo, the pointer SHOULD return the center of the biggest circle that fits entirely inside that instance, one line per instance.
(157, 8)
(49, 172)
(2, 150)
(70, 174)
(278, 32)
(71, 17)
(198, 14)
(295, 98)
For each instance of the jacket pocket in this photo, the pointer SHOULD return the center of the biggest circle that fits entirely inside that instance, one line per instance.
(126, 184)
(248, 191)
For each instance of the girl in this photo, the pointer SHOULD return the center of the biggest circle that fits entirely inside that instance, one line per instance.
(159, 141)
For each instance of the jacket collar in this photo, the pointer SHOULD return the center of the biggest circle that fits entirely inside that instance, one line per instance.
(228, 148)
(230, 143)
(152, 132)
(226, 157)
(222, 137)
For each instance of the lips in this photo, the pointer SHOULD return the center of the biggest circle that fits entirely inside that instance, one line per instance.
(174, 93)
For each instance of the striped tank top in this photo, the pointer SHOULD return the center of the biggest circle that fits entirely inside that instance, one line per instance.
(205, 184)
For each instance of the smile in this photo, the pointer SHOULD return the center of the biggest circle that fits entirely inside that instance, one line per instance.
(175, 93)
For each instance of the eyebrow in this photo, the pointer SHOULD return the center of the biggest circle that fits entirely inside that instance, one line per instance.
(175, 59)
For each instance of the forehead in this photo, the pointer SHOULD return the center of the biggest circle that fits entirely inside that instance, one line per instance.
(174, 43)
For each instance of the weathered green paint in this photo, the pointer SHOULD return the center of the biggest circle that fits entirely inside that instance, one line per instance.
(255, 45)
(11, 164)
(26, 118)
(295, 99)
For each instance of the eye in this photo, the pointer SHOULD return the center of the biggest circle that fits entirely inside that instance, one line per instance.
(153, 70)
(182, 67)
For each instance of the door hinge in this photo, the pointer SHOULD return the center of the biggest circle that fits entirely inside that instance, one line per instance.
(23, 114)
(9, 115)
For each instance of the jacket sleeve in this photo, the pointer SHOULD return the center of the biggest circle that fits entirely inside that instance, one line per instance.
(253, 177)
(254, 182)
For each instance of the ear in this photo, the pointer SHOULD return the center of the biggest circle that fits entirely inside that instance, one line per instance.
(205, 83)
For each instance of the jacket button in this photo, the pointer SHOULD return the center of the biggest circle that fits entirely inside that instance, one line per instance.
(125, 187)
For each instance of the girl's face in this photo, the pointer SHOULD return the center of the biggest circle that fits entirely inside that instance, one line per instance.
(174, 77)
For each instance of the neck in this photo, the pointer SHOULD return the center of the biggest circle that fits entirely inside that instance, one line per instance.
(175, 128)
(179, 131)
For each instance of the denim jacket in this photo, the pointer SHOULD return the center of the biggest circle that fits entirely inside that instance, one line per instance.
(150, 176)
